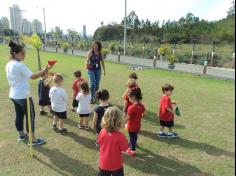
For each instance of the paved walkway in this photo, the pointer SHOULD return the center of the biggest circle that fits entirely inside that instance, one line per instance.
(223, 73)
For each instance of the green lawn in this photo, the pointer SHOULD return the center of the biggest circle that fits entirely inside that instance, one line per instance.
(205, 147)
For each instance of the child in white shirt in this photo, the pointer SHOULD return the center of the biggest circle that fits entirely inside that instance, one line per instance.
(59, 100)
(84, 99)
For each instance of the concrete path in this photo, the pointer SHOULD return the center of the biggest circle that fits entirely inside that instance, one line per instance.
(223, 73)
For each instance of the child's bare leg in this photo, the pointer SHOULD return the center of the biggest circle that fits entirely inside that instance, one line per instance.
(50, 107)
(55, 120)
(61, 123)
(86, 121)
(41, 108)
(162, 129)
(170, 130)
(81, 122)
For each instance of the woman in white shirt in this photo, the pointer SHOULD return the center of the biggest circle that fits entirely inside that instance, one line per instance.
(18, 76)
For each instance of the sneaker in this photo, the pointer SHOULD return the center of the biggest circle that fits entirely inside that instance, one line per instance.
(80, 127)
(38, 142)
(63, 130)
(96, 144)
(87, 128)
(43, 113)
(162, 134)
(22, 138)
(131, 152)
(54, 126)
(172, 135)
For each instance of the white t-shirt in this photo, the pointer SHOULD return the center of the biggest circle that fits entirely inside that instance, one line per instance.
(18, 76)
(84, 103)
(58, 98)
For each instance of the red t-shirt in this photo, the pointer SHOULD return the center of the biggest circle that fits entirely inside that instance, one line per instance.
(135, 112)
(75, 86)
(111, 147)
(165, 103)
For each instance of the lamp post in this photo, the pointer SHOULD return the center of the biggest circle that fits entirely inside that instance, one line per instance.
(125, 29)
(45, 30)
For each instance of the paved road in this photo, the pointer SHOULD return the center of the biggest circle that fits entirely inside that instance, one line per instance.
(223, 73)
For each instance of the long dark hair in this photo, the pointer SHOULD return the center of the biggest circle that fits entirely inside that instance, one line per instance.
(99, 44)
(15, 49)
(137, 94)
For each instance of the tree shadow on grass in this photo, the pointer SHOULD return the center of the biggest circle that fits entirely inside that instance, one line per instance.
(63, 164)
(88, 143)
(209, 149)
(151, 163)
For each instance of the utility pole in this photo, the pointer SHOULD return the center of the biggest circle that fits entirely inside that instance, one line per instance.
(45, 30)
(125, 29)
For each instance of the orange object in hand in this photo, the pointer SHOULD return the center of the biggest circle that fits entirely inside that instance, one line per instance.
(52, 62)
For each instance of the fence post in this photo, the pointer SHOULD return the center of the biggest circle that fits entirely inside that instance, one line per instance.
(233, 61)
(154, 61)
(213, 52)
(205, 64)
(119, 54)
(194, 44)
(143, 51)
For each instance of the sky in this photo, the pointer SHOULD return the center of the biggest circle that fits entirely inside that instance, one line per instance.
(73, 14)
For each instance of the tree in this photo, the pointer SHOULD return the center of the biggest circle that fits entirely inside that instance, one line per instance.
(73, 35)
(37, 43)
(231, 11)
(4, 23)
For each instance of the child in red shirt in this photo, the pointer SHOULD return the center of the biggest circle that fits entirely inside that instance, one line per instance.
(76, 88)
(135, 114)
(132, 84)
(166, 112)
(112, 143)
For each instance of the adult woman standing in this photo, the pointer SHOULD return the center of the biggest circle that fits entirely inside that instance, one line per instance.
(93, 63)
(18, 76)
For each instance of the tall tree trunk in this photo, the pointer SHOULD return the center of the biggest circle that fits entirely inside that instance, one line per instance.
(39, 61)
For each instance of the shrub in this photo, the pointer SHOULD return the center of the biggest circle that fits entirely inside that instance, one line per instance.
(171, 58)
(112, 47)
(105, 51)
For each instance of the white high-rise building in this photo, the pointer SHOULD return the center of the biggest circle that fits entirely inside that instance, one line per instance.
(27, 27)
(16, 18)
(37, 26)
(84, 32)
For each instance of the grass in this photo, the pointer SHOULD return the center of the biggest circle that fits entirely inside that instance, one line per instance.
(205, 147)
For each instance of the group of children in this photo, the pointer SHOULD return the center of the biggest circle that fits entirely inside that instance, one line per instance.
(107, 119)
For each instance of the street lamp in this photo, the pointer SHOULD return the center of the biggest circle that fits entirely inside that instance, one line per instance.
(45, 29)
(125, 29)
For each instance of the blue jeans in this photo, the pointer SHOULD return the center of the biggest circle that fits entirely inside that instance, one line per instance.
(94, 76)
(21, 112)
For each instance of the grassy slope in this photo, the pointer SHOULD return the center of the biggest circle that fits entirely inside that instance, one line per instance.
(206, 145)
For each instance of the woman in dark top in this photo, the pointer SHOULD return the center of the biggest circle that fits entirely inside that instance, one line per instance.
(94, 63)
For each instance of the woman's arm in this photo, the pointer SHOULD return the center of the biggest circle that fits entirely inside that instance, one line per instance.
(103, 67)
(88, 58)
(125, 105)
(38, 74)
